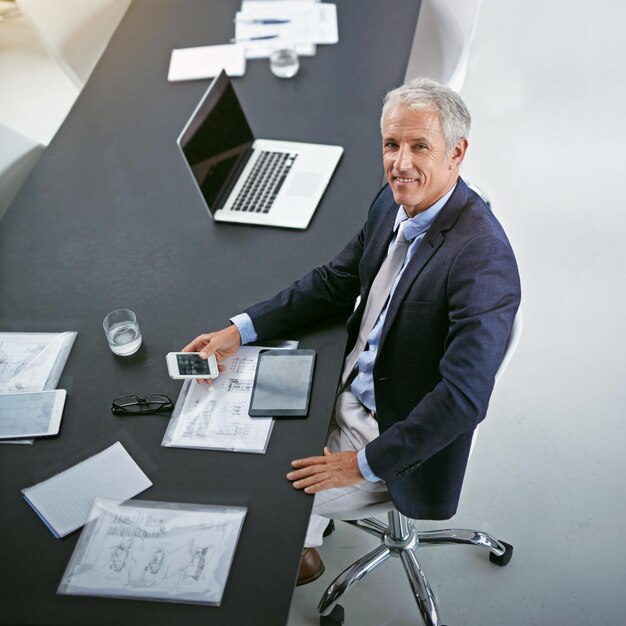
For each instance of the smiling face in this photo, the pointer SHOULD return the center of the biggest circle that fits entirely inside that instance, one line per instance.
(417, 164)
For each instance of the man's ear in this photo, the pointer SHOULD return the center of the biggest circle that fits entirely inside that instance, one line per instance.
(458, 154)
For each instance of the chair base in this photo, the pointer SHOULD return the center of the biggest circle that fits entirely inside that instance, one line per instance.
(400, 539)
(336, 617)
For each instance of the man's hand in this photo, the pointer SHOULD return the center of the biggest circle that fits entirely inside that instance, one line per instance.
(318, 473)
(222, 344)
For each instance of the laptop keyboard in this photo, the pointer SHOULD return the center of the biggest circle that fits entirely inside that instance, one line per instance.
(264, 182)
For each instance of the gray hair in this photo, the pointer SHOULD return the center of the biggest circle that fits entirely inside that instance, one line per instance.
(426, 94)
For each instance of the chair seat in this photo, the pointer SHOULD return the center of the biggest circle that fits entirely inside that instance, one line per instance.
(371, 510)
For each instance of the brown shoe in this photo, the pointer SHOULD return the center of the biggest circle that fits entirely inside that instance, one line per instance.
(311, 567)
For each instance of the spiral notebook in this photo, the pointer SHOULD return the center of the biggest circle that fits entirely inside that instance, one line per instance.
(63, 501)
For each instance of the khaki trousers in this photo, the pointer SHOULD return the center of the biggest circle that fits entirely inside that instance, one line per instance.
(352, 427)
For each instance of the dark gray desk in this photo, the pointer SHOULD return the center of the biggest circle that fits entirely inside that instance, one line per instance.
(109, 219)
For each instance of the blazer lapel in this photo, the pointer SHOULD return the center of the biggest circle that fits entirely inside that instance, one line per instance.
(433, 239)
(374, 254)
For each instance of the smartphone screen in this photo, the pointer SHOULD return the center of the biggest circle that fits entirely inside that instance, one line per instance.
(282, 384)
(192, 365)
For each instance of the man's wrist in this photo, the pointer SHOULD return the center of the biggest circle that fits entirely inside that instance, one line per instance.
(246, 329)
(364, 467)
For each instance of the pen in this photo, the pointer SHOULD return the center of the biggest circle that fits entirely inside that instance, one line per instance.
(261, 21)
(235, 40)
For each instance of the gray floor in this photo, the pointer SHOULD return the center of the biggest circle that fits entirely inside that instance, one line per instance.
(546, 87)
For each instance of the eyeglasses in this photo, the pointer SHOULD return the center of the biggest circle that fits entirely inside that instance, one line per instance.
(134, 405)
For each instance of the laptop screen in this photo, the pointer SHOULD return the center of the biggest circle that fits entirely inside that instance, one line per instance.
(216, 139)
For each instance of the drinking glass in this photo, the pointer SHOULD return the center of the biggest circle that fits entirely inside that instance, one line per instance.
(284, 62)
(122, 331)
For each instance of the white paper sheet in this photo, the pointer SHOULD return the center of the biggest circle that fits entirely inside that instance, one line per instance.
(155, 550)
(309, 23)
(216, 416)
(207, 62)
(63, 502)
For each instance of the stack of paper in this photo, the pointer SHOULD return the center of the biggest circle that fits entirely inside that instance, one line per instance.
(261, 27)
(303, 24)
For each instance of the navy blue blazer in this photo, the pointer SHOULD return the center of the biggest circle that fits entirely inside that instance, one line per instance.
(442, 342)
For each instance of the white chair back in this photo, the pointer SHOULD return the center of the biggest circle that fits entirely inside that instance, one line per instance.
(512, 343)
(511, 346)
(75, 32)
(18, 155)
(443, 37)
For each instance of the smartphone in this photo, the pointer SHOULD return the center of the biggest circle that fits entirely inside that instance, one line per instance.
(282, 383)
(190, 365)
(31, 414)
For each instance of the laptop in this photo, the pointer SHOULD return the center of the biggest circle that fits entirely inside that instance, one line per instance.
(247, 180)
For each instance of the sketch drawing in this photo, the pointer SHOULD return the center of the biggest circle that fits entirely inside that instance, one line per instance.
(143, 551)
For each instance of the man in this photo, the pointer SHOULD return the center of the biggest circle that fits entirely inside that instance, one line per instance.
(439, 289)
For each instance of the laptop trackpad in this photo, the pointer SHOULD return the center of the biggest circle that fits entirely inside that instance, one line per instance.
(305, 184)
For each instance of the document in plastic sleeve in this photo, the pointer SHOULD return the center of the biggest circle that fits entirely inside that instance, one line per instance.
(215, 416)
(163, 551)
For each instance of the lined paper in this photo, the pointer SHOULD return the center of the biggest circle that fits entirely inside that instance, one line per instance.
(63, 501)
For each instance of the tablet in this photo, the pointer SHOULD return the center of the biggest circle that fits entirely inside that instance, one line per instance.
(282, 383)
(31, 413)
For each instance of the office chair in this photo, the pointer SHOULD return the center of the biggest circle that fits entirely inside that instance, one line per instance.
(399, 538)
(74, 32)
(476, 189)
(8, 11)
(443, 36)
(18, 155)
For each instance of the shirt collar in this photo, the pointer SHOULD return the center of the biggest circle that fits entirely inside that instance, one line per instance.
(419, 224)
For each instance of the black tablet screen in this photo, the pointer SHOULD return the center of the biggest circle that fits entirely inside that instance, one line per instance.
(282, 383)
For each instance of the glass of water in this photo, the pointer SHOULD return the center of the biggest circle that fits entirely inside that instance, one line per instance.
(122, 331)
(284, 62)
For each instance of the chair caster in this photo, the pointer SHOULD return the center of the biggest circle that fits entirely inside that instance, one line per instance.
(505, 558)
(335, 618)
(330, 529)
